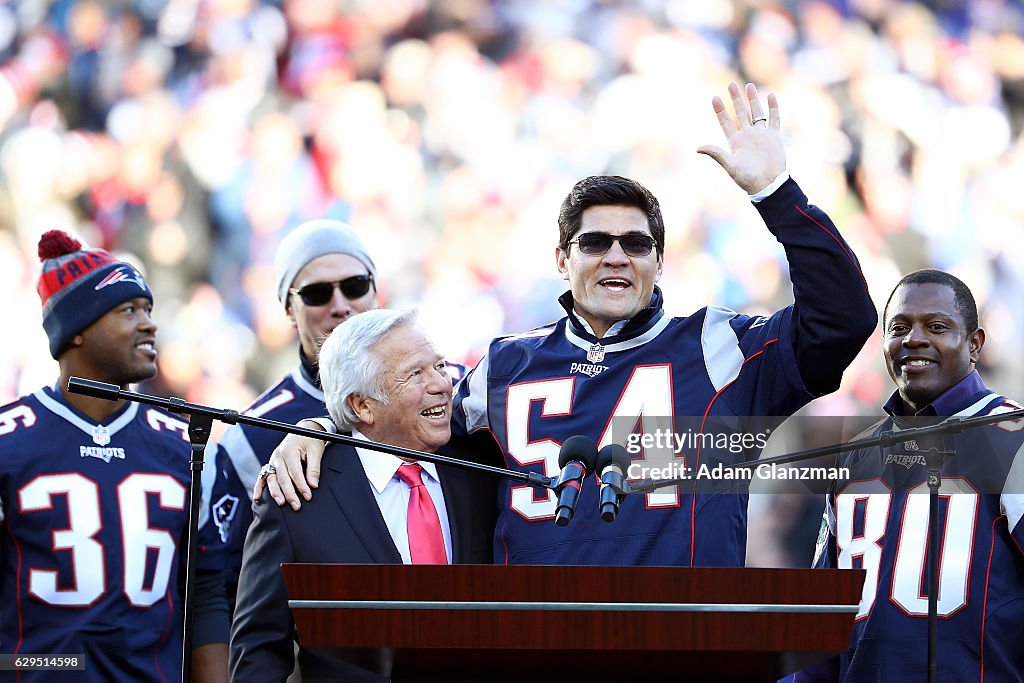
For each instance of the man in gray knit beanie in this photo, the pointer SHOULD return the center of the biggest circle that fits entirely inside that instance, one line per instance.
(310, 241)
(324, 276)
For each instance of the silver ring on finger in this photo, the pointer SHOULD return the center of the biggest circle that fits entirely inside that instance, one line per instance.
(267, 470)
(758, 120)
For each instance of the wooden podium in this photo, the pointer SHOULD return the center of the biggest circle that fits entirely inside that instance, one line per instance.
(540, 623)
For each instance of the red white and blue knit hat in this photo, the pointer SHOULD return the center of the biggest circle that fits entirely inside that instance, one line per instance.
(79, 286)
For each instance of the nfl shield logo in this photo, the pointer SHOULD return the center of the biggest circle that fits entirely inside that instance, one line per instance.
(100, 435)
(596, 353)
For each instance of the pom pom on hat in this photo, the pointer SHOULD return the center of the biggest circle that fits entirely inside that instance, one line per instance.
(56, 243)
(79, 286)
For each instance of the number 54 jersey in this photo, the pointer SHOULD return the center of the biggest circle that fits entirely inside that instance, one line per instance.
(92, 517)
(533, 391)
(878, 521)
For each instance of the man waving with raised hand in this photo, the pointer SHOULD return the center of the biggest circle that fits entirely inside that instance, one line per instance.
(617, 356)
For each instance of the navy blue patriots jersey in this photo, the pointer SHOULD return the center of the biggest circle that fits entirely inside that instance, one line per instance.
(531, 392)
(242, 451)
(535, 390)
(878, 520)
(94, 518)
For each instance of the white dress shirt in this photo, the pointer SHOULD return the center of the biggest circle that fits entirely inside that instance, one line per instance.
(392, 496)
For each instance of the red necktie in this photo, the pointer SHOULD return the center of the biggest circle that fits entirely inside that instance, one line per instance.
(426, 542)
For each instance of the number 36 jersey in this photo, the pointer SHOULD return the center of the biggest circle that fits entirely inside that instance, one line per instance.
(90, 525)
(878, 521)
(533, 391)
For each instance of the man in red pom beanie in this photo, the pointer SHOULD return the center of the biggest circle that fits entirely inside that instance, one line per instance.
(78, 286)
(94, 495)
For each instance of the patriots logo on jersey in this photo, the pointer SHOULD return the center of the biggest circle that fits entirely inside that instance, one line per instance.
(104, 454)
(123, 274)
(587, 369)
(223, 512)
(908, 461)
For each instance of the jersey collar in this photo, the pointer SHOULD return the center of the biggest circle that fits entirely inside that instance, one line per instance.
(626, 334)
(963, 394)
(310, 370)
(54, 400)
(622, 331)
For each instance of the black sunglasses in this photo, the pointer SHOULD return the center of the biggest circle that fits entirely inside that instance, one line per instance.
(319, 293)
(598, 243)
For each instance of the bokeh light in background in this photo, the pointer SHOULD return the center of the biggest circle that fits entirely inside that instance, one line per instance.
(191, 135)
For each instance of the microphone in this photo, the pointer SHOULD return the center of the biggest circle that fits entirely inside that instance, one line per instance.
(576, 457)
(612, 463)
(90, 387)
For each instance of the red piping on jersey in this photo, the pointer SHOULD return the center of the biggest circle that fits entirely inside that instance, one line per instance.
(984, 602)
(837, 241)
(703, 420)
(17, 592)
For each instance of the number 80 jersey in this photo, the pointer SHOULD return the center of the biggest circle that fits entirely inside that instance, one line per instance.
(879, 521)
(533, 391)
(93, 516)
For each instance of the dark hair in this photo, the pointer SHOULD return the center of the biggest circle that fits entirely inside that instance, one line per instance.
(608, 190)
(962, 295)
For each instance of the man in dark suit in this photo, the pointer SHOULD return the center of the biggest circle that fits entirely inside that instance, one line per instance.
(383, 381)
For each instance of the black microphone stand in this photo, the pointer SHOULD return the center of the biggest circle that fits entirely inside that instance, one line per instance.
(112, 392)
(198, 434)
(934, 459)
(200, 421)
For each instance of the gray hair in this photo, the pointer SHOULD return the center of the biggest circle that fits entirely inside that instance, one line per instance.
(348, 366)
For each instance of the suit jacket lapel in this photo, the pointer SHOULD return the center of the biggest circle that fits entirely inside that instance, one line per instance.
(460, 517)
(351, 490)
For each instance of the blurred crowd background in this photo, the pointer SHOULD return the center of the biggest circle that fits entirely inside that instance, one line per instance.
(192, 135)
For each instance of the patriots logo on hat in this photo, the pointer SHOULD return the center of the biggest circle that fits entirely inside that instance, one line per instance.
(122, 274)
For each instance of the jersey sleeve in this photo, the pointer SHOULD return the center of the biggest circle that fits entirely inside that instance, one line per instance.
(13, 417)
(825, 548)
(833, 315)
(212, 616)
(469, 405)
(224, 489)
(210, 475)
(751, 361)
(1011, 501)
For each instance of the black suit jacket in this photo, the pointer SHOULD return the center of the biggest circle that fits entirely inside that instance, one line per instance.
(341, 524)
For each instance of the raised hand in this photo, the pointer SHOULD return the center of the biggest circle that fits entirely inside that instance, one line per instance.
(756, 156)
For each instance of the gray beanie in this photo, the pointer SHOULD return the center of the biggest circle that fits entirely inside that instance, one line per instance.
(313, 239)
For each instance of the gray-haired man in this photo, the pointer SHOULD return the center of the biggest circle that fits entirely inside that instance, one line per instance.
(386, 382)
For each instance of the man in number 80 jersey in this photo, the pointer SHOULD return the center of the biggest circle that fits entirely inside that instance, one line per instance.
(94, 494)
(878, 520)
